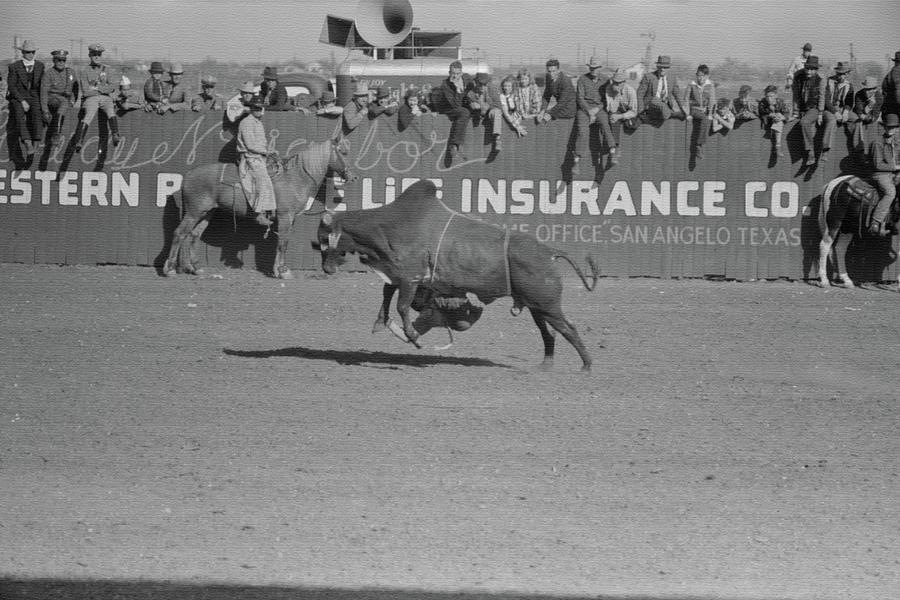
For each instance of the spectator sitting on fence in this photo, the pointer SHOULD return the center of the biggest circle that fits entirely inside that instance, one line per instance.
(175, 95)
(620, 104)
(57, 95)
(528, 95)
(326, 106)
(558, 100)
(207, 99)
(744, 107)
(25, 77)
(866, 109)
(356, 110)
(484, 102)
(96, 89)
(273, 94)
(239, 106)
(700, 100)
(128, 99)
(809, 104)
(838, 103)
(509, 105)
(154, 92)
(659, 94)
(411, 108)
(723, 116)
(590, 113)
(451, 100)
(773, 114)
(384, 104)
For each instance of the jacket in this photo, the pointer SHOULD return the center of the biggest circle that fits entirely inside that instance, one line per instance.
(564, 92)
(647, 90)
(809, 92)
(24, 85)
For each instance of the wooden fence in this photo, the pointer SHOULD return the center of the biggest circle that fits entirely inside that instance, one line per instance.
(740, 212)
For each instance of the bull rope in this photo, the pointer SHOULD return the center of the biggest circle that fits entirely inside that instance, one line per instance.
(437, 250)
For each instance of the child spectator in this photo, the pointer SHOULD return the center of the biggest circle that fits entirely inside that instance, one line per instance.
(744, 107)
(411, 108)
(773, 113)
(723, 117)
(207, 99)
(528, 94)
(128, 99)
(509, 105)
(700, 100)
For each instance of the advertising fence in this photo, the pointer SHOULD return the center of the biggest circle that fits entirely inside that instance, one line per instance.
(741, 212)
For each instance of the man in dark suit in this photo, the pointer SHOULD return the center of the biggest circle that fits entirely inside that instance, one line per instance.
(659, 97)
(274, 95)
(809, 104)
(453, 102)
(25, 77)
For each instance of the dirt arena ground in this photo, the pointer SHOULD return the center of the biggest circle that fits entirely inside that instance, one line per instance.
(234, 436)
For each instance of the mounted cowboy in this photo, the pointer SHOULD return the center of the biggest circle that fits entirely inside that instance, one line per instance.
(253, 149)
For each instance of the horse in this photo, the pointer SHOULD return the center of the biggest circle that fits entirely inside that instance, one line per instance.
(847, 202)
(216, 186)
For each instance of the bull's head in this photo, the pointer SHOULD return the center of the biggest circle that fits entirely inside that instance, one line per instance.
(339, 159)
(329, 241)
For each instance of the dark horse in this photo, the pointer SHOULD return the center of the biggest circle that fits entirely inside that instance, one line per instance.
(847, 202)
(215, 186)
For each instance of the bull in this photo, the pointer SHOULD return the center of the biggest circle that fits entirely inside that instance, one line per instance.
(419, 241)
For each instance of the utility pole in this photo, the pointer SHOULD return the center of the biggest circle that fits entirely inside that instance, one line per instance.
(648, 54)
(852, 58)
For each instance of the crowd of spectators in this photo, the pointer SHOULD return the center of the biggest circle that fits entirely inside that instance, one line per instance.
(601, 104)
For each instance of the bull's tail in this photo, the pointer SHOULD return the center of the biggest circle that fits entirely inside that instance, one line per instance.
(595, 270)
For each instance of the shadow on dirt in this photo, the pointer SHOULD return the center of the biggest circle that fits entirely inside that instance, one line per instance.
(58, 589)
(364, 357)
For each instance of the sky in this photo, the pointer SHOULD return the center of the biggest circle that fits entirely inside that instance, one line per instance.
(762, 32)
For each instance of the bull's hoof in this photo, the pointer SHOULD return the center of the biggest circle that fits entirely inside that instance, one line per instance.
(823, 283)
(378, 326)
(284, 273)
(846, 284)
(586, 368)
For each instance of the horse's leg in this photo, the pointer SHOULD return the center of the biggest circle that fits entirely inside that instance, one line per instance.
(824, 254)
(840, 259)
(195, 234)
(384, 313)
(285, 227)
(174, 260)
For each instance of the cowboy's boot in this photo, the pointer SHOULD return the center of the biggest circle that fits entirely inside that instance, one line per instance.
(114, 128)
(79, 134)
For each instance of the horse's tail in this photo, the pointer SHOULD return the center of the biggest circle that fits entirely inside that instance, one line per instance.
(595, 270)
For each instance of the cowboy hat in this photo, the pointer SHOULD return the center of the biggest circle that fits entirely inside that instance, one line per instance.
(891, 120)
(361, 89)
(247, 88)
(156, 67)
(28, 46)
(96, 49)
(870, 82)
(270, 73)
(619, 77)
(842, 67)
(812, 62)
(664, 61)
(594, 64)
(176, 69)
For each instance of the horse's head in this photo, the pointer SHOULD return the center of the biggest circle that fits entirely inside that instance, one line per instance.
(339, 159)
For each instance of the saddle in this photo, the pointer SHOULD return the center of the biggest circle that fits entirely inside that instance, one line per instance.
(230, 174)
(868, 197)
